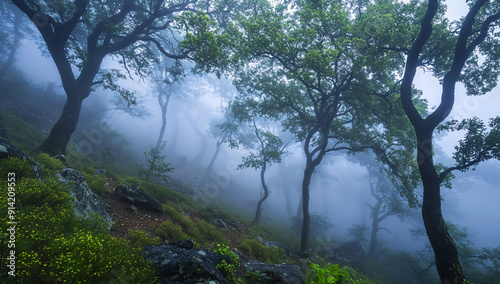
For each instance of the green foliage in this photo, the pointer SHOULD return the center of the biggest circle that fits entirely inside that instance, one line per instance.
(50, 166)
(139, 239)
(53, 246)
(171, 232)
(358, 232)
(155, 164)
(254, 248)
(333, 274)
(96, 182)
(19, 167)
(199, 230)
(22, 134)
(478, 144)
(162, 193)
(227, 269)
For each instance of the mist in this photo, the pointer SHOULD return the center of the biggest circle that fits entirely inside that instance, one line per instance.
(340, 185)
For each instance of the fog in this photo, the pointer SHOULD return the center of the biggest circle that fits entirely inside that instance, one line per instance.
(340, 187)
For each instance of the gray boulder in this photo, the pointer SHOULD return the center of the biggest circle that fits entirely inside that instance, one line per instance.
(85, 201)
(272, 273)
(180, 263)
(136, 196)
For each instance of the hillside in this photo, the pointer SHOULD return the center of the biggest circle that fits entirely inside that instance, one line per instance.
(54, 246)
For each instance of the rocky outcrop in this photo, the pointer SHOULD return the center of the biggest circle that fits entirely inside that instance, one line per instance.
(258, 272)
(181, 263)
(137, 197)
(85, 201)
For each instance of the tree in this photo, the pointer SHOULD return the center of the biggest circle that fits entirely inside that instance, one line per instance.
(13, 30)
(312, 69)
(80, 34)
(460, 63)
(224, 131)
(167, 78)
(269, 149)
(156, 165)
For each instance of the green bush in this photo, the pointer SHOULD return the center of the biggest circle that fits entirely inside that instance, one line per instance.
(139, 239)
(254, 248)
(96, 182)
(333, 274)
(53, 246)
(227, 269)
(50, 166)
(19, 167)
(171, 232)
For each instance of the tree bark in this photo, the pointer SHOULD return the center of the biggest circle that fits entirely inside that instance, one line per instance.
(60, 134)
(164, 108)
(375, 228)
(217, 149)
(266, 194)
(447, 262)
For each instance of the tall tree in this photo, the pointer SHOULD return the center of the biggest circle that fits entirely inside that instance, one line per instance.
(80, 34)
(475, 36)
(269, 149)
(13, 29)
(167, 78)
(311, 69)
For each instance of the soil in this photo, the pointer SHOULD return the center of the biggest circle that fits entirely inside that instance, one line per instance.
(127, 218)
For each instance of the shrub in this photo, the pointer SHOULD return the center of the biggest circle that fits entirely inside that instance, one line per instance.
(170, 232)
(96, 182)
(19, 167)
(53, 246)
(139, 239)
(227, 269)
(50, 166)
(333, 274)
(254, 248)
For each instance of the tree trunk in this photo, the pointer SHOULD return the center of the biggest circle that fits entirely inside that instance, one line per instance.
(202, 137)
(306, 218)
(266, 194)
(288, 204)
(375, 227)
(164, 108)
(60, 134)
(447, 262)
(15, 45)
(212, 161)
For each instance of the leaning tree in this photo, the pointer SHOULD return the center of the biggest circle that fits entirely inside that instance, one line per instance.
(466, 51)
(80, 35)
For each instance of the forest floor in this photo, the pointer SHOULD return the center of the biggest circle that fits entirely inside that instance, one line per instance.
(149, 221)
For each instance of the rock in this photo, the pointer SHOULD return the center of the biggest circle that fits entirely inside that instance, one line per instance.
(349, 254)
(85, 201)
(179, 263)
(7, 149)
(62, 158)
(272, 273)
(136, 196)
